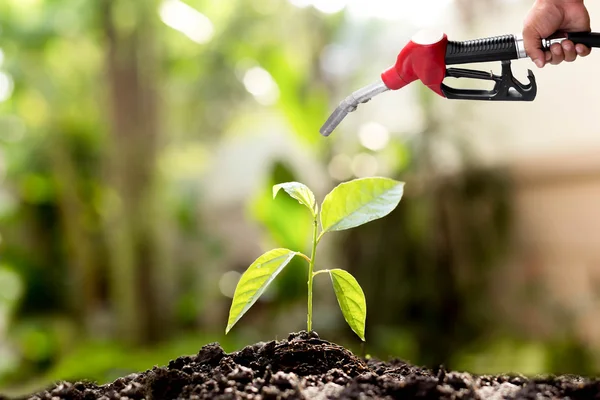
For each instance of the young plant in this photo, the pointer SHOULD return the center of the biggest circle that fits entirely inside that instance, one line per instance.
(348, 205)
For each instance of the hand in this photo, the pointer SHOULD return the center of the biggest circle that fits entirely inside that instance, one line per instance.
(545, 18)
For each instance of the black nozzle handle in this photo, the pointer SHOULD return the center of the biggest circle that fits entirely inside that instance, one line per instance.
(588, 39)
(495, 48)
(509, 47)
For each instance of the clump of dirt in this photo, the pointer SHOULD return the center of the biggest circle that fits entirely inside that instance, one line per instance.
(303, 366)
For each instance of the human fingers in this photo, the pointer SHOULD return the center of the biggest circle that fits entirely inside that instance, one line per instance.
(532, 44)
(582, 51)
(558, 55)
(569, 51)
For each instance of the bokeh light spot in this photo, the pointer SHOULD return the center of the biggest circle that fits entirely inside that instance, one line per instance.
(340, 167)
(12, 129)
(261, 85)
(10, 285)
(6, 86)
(364, 165)
(228, 282)
(374, 136)
(338, 61)
(187, 20)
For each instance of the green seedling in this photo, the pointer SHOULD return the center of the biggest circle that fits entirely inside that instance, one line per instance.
(348, 205)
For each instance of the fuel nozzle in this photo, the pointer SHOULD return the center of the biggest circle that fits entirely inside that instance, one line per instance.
(422, 58)
(426, 56)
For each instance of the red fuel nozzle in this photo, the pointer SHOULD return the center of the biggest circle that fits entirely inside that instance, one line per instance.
(423, 58)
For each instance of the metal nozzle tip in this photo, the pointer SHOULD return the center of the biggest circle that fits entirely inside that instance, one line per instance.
(324, 131)
(333, 121)
(350, 104)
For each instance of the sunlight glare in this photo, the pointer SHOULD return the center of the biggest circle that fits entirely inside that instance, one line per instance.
(261, 85)
(301, 3)
(419, 12)
(330, 6)
(187, 20)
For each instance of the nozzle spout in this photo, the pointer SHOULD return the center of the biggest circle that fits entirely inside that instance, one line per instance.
(350, 103)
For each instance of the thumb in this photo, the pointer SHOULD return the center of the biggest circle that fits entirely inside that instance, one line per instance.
(533, 45)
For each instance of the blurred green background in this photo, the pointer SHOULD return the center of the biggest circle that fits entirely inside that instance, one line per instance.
(138, 144)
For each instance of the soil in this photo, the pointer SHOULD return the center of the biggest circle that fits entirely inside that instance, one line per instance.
(306, 367)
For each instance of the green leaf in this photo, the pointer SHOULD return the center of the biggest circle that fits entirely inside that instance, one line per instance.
(359, 201)
(300, 192)
(255, 281)
(351, 300)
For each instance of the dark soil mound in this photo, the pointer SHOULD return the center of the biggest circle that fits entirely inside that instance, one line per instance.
(306, 367)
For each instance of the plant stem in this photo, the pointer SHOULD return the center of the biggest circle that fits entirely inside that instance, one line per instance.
(304, 256)
(311, 267)
(320, 236)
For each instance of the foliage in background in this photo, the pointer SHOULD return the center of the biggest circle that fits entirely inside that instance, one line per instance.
(109, 122)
